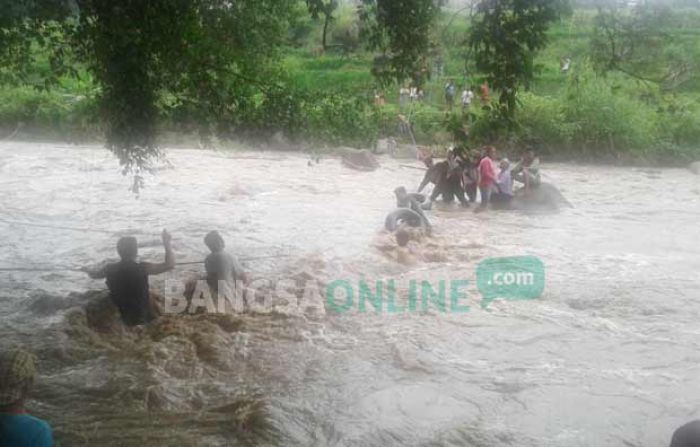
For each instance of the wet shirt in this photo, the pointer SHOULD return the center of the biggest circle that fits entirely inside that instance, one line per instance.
(128, 288)
(221, 266)
(487, 172)
(23, 430)
(505, 182)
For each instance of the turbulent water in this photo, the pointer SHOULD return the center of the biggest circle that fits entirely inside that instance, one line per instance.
(609, 356)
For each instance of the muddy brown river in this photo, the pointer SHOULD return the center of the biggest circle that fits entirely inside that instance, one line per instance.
(608, 356)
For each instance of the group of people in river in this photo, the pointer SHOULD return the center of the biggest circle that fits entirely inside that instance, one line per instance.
(464, 175)
(127, 279)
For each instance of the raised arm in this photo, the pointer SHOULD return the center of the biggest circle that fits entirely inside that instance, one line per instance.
(169, 263)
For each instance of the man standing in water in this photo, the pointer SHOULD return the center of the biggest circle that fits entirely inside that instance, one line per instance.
(222, 268)
(487, 177)
(127, 280)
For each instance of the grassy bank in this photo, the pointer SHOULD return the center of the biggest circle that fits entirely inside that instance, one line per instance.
(327, 98)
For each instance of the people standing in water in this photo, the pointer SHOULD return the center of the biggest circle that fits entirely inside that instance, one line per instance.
(470, 177)
(527, 170)
(222, 268)
(503, 194)
(17, 427)
(127, 280)
(487, 176)
(446, 175)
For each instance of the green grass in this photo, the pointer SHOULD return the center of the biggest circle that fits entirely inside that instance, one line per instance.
(613, 114)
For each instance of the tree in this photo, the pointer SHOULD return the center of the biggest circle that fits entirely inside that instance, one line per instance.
(504, 38)
(326, 9)
(24, 22)
(637, 44)
(207, 62)
(400, 30)
(150, 57)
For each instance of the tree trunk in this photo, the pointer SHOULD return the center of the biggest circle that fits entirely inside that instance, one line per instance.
(325, 31)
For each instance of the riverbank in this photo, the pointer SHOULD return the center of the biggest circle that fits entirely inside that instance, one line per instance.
(278, 143)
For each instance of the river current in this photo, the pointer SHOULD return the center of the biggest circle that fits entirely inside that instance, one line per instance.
(608, 356)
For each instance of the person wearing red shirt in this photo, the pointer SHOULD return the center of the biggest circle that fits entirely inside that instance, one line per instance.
(487, 175)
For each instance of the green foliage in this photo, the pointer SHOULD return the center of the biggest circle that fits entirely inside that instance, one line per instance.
(504, 38)
(400, 31)
(604, 118)
(49, 112)
(24, 23)
(324, 8)
(236, 83)
(204, 56)
(638, 43)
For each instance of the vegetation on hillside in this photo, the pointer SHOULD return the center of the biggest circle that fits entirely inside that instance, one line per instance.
(632, 90)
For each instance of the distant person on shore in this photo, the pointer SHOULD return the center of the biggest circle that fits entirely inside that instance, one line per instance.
(485, 94)
(503, 194)
(487, 177)
(527, 170)
(223, 269)
(564, 65)
(404, 94)
(467, 97)
(687, 435)
(379, 99)
(17, 427)
(127, 280)
(405, 126)
(450, 94)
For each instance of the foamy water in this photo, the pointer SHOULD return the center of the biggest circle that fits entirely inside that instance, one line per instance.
(607, 357)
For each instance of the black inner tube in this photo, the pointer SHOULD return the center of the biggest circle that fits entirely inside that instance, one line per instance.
(405, 215)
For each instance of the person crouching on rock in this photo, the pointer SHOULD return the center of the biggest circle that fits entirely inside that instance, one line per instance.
(127, 280)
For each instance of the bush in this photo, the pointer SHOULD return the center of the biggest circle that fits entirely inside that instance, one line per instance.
(602, 118)
(46, 112)
(544, 119)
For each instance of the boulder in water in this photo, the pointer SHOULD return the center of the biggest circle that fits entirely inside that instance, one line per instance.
(361, 159)
(545, 197)
(695, 167)
(102, 315)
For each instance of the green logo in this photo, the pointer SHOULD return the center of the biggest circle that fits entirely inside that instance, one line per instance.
(511, 278)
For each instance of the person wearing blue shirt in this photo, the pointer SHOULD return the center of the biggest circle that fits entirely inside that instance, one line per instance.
(17, 427)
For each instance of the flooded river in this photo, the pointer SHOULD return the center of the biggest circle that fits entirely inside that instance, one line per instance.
(609, 356)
